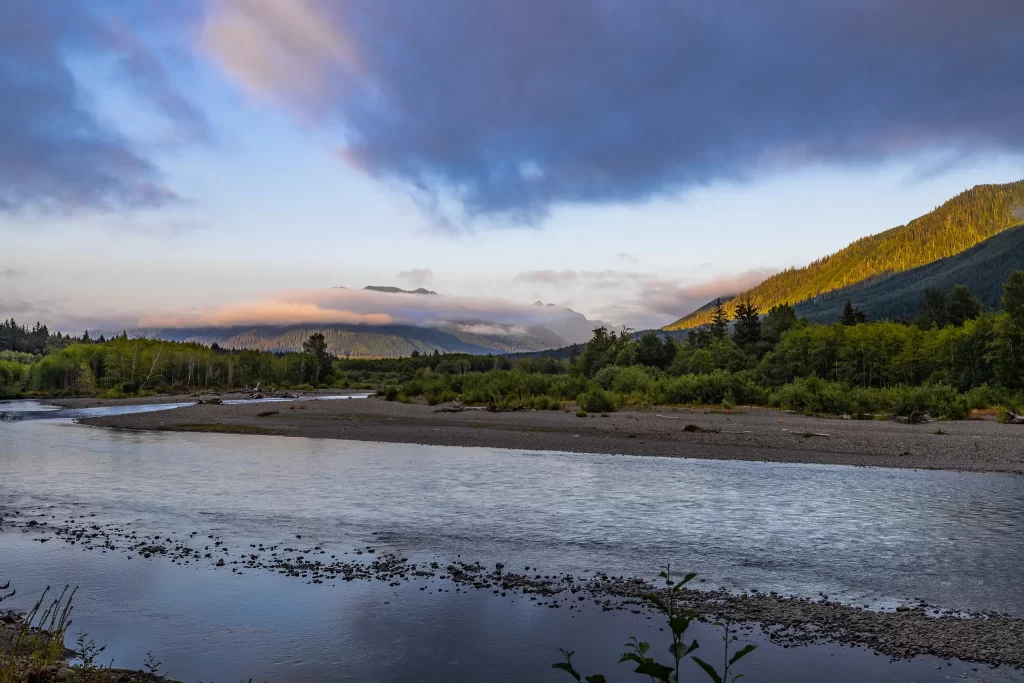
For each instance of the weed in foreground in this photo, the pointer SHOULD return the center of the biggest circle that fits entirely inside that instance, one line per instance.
(670, 604)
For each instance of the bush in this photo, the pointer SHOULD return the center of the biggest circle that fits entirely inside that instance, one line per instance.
(596, 400)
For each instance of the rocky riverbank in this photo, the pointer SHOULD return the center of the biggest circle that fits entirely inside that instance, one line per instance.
(743, 434)
(909, 630)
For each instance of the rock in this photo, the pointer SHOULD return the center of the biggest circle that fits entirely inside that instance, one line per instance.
(64, 674)
(220, 562)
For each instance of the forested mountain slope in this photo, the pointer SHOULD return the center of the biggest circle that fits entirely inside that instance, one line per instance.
(983, 269)
(964, 221)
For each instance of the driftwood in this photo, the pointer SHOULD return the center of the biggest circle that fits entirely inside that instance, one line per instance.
(1015, 419)
(457, 407)
(215, 401)
(915, 418)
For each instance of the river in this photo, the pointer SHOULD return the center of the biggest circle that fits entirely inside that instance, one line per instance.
(866, 536)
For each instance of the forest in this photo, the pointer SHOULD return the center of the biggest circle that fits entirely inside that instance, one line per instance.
(953, 357)
(968, 219)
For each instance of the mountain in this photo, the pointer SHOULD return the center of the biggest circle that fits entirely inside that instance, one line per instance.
(983, 269)
(377, 341)
(398, 290)
(964, 221)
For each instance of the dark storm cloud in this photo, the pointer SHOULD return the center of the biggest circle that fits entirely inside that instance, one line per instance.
(509, 107)
(56, 153)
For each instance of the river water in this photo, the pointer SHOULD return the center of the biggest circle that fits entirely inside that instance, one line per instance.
(866, 536)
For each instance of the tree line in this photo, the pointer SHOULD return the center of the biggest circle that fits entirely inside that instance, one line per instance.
(952, 357)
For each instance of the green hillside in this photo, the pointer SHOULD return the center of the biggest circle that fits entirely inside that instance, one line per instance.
(983, 269)
(959, 224)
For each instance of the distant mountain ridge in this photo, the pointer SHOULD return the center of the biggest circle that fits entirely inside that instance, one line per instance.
(398, 290)
(961, 223)
(372, 341)
(983, 269)
(554, 328)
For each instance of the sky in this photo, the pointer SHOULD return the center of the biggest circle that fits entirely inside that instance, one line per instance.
(236, 161)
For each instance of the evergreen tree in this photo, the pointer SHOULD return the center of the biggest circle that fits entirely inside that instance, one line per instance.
(315, 349)
(747, 331)
(780, 318)
(85, 337)
(719, 327)
(962, 306)
(933, 309)
(1013, 297)
(852, 315)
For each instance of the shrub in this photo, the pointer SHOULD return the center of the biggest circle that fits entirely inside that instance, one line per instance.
(596, 400)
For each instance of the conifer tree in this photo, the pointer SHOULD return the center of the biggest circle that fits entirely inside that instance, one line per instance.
(962, 306)
(747, 331)
(719, 321)
(852, 315)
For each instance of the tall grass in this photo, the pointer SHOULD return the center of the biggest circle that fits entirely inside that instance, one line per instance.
(38, 643)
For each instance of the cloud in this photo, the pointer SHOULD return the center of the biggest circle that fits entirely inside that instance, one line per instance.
(362, 307)
(11, 272)
(509, 107)
(659, 300)
(492, 330)
(56, 152)
(417, 277)
(628, 257)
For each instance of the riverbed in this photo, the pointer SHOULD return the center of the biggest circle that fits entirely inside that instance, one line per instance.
(865, 536)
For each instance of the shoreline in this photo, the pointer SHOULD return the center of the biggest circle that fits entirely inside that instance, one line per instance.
(910, 630)
(745, 433)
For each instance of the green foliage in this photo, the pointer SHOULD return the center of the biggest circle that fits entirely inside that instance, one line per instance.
(1013, 297)
(669, 602)
(315, 353)
(719, 324)
(962, 306)
(596, 401)
(959, 224)
(747, 330)
(779, 319)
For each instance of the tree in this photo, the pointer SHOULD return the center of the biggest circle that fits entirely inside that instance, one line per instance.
(962, 306)
(747, 331)
(852, 315)
(780, 318)
(315, 349)
(933, 309)
(1013, 297)
(650, 350)
(719, 326)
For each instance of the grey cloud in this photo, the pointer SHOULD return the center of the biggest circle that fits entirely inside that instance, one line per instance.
(628, 257)
(509, 107)
(56, 153)
(417, 276)
(11, 272)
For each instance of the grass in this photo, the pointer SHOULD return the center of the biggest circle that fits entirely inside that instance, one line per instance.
(38, 643)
